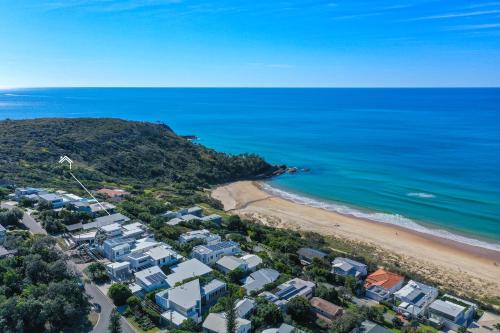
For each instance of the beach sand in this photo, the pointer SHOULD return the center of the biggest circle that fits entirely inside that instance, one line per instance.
(470, 270)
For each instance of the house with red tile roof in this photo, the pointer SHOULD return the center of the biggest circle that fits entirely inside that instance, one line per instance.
(381, 284)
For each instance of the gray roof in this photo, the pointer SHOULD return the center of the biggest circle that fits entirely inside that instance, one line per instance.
(50, 197)
(257, 280)
(311, 253)
(2, 228)
(230, 262)
(105, 220)
(285, 328)
(244, 306)
(186, 295)
(187, 269)
(448, 308)
(216, 322)
(212, 286)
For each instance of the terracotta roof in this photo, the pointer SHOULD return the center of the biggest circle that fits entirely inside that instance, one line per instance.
(325, 306)
(383, 278)
(113, 192)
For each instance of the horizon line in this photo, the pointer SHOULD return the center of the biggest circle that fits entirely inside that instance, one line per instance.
(249, 87)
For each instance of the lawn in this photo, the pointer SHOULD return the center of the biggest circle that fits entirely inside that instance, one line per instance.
(132, 321)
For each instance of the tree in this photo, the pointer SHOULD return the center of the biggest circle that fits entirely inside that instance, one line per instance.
(236, 275)
(230, 310)
(114, 322)
(97, 272)
(346, 323)
(11, 217)
(267, 313)
(119, 293)
(497, 326)
(188, 325)
(328, 293)
(299, 308)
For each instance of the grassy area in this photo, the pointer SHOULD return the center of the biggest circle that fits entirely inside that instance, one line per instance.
(132, 321)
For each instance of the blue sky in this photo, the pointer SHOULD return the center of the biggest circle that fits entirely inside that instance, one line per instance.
(308, 43)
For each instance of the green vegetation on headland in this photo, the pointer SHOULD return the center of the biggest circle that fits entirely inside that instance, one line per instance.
(136, 154)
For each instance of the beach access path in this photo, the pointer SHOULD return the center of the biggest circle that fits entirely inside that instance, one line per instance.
(467, 269)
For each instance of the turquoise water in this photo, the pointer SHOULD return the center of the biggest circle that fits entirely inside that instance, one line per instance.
(427, 159)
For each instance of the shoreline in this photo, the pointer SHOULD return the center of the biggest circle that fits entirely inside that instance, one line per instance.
(470, 269)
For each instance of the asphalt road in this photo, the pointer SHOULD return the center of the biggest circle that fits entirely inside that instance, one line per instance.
(106, 307)
(28, 221)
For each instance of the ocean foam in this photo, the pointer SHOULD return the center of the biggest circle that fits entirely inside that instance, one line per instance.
(422, 195)
(394, 219)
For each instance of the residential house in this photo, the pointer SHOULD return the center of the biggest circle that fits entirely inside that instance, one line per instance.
(307, 254)
(187, 269)
(245, 307)
(54, 200)
(228, 264)
(186, 300)
(294, 288)
(451, 312)
(181, 302)
(257, 280)
(209, 254)
(151, 278)
(212, 291)
(324, 310)
(22, 192)
(216, 323)
(348, 267)
(381, 284)
(252, 261)
(106, 220)
(217, 219)
(115, 194)
(119, 270)
(203, 235)
(414, 298)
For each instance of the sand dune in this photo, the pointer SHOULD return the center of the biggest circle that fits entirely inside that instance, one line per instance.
(468, 269)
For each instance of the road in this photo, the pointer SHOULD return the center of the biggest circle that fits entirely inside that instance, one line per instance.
(90, 289)
(106, 307)
(27, 220)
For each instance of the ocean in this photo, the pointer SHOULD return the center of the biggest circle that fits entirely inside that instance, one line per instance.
(425, 159)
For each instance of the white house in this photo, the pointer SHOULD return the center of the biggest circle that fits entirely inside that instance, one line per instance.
(295, 287)
(181, 302)
(119, 270)
(204, 235)
(209, 254)
(414, 298)
(245, 307)
(451, 312)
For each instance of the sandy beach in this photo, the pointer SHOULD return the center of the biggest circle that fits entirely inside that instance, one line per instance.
(470, 270)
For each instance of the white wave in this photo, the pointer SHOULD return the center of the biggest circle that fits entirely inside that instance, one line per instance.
(394, 219)
(421, 195)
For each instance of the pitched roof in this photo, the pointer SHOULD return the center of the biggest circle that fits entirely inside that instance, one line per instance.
(383, 278)
(325, 306)
(216, 322)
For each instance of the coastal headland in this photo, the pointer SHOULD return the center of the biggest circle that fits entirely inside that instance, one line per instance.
(471, 270)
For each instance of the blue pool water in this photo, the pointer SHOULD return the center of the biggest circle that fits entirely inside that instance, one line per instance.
(427, 159)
